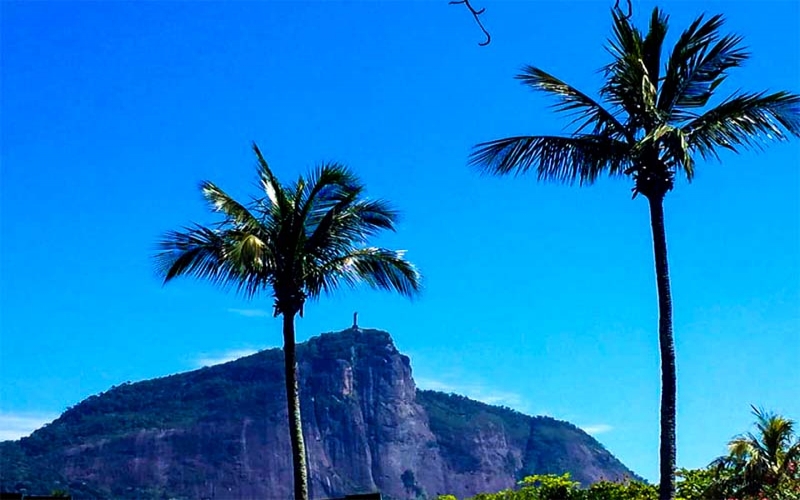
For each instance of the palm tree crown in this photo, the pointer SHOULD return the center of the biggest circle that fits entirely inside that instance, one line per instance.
(768, 458)
(645, 124)
(294, 241)
(650, 127)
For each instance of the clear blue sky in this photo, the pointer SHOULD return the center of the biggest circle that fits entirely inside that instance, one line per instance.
(540, 297)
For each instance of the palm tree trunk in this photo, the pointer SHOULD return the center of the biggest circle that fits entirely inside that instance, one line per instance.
(666, 488)
(293, 400)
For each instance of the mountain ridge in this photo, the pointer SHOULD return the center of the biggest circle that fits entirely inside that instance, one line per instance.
(221, 432)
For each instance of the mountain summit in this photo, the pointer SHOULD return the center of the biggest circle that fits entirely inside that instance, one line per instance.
(221, 432)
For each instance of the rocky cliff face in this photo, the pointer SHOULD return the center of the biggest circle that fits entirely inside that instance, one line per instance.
(221, 432)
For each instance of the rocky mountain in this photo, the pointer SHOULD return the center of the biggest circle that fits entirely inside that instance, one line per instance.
(221, 432)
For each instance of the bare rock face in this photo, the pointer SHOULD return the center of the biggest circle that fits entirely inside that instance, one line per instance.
(222, 433)
(363, 425)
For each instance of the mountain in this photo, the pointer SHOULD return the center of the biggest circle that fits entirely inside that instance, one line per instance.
(221, 432)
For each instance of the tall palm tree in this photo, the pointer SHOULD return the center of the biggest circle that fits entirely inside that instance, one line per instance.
(294, 242)
(649, 126)
(770, 458)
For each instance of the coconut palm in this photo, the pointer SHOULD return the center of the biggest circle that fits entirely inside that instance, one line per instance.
(649, 123)
(293, 242)
(768, 459)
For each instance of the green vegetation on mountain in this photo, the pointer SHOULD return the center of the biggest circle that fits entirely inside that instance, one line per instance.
(190, 434)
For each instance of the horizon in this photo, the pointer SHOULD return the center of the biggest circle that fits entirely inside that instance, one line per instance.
(538, 296)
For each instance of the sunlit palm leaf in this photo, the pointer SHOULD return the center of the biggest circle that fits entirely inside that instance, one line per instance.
(275, 192)
(248, 252)
(238, 214)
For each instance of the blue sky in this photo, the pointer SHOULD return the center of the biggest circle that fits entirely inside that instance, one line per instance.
(538, 296)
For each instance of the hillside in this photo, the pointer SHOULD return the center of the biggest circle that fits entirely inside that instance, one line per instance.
(221, 432)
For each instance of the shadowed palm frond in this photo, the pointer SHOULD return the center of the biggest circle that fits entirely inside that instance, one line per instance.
(628, 84)
(376, 267)
(325, 187)
(355, 219)
(698, 65)
(345, 219)
(197, 251)
(344, 230)
(653, 44)
(572, 101)
(745, 121)
(627, 39)
(580, 158)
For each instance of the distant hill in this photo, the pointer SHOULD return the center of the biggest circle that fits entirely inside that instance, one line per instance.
(221, 432)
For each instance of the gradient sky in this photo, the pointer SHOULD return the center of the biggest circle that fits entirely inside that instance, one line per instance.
(538, 296)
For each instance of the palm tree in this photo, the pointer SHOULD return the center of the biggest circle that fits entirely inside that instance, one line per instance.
(768, 459)
(294, 242)
(649, 126)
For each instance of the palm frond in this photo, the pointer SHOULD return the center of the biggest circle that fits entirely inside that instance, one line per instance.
(235, 212)
(249, 253)
(329, 180)
(627, 40)
(745, 121)
(652, 45)
(572, 101)
(196, 251)
(275, 192)
(364, 217)
(698, 65)
(376, 267)
(351, 222)
(689, 43)
(580, 158)
(762, 457)
(328, 186)
(228, 259)
(628, 84)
